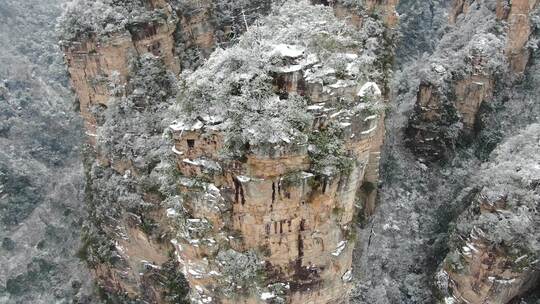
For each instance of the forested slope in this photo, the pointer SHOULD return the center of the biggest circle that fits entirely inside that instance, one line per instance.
(41, 178)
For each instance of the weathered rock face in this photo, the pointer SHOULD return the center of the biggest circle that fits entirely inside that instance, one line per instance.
(434, 116)
(488, 273)
(273, 210)
(459, 7)
(494, 252)
(470, 93)
(386, 8)
(94, 62)
(129, 248)
(300, 224)
(276, 210)
(518, 16)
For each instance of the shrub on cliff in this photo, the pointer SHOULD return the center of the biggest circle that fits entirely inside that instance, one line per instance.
(241, 271)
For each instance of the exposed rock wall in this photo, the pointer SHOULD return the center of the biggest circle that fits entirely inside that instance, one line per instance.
(273, 206)
(459, 7)
(95, 62)
(300, 223)
(181, 33)
(270, 207)
(129, 250)
(518, 16)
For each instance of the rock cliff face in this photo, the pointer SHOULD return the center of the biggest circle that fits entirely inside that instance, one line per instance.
(281, 206)
(518, 15)
(489, 251)
(95, 60)
(116, 59)
(402, 245)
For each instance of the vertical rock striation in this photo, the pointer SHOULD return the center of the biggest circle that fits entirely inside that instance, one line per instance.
(518, 15)
(99, 53)
(96, 59)
(123, 58)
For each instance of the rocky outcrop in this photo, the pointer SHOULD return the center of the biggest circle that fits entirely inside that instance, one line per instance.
(298, 223)
(517, 17)
(121, 57)
(494, 251)
(443, 114)
(387, 9)
(282, 206)
(470, 93)
(95, 62)
(459, 7)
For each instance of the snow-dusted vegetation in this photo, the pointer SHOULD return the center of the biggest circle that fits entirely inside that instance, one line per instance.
(41, 177)
(103, 18)
(511, 175)
(430, 200)
(235, 90)
(403, 245)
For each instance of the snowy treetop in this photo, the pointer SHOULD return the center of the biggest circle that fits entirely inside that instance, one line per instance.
(105, 17)
(235, 85)
(512, 175)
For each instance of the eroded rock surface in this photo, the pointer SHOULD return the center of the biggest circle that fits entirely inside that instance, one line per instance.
(274, 179)
(285, 199)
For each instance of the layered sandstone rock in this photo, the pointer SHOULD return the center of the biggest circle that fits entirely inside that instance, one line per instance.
(517, 16)
(470, 94)
(280, 208)
(181, 33)
(130, 251)
(439, 108)
(300, 224)
(95, 62)
(283, 213)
